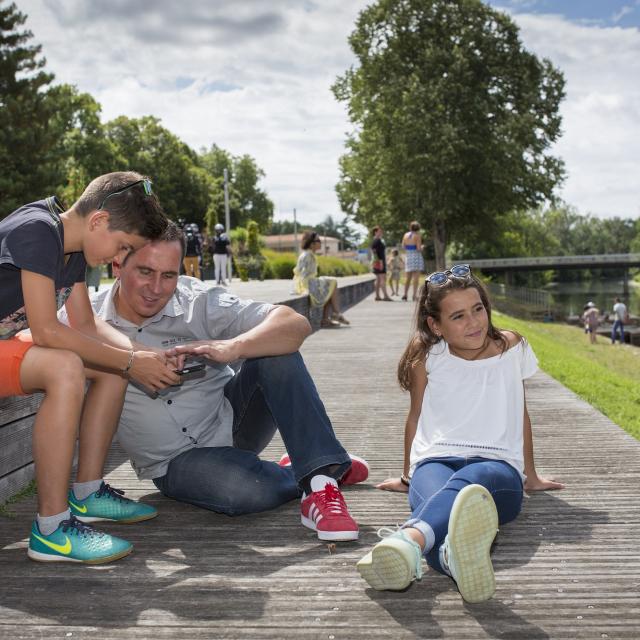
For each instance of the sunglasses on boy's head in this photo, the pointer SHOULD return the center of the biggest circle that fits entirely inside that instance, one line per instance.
(438, 278)
(146, 185)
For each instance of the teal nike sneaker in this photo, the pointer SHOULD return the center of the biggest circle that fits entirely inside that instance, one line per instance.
(74, 541)
(110, 505)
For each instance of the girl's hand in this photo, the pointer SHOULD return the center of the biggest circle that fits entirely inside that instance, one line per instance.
(536, 483)
(393, 484)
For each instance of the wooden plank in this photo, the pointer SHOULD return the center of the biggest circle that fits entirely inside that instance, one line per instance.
(16, 407)
(15, 445)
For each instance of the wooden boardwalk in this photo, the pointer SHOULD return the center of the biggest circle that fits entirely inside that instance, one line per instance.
(569, 567)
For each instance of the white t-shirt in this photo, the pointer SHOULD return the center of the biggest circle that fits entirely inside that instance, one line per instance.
(620, 311)
(474, 407)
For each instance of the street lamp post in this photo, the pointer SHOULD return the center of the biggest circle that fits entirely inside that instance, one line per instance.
(227, 218)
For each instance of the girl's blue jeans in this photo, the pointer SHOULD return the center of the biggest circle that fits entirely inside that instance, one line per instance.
(435, 485)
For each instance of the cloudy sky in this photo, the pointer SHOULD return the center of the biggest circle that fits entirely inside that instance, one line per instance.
(254, 76)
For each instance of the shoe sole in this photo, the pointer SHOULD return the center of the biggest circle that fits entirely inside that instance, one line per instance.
(473, 525)
(47, 557)
(336, 536)
(90, 519)
(386, 567)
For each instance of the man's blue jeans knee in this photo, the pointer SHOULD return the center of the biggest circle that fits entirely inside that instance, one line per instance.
(267, 394)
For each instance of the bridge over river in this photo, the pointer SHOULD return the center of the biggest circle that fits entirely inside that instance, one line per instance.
(544, 263)
(508, 266)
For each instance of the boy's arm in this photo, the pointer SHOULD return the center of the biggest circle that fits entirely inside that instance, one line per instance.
(534, 482)
(418, 385)
(47, 331)
(83, 319)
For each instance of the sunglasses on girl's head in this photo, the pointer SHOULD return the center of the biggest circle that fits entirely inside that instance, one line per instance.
(457, 271)
(146, 185)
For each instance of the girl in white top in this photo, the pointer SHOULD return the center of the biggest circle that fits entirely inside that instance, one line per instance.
(468, 443)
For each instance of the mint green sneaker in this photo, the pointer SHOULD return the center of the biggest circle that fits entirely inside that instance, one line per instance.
(110, 505)
(465, 553)
(74, 541)
(394, 563)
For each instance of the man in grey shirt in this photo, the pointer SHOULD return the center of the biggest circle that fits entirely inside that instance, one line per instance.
(199, 442)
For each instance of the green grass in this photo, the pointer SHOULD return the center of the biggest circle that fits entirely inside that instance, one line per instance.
(607, 377)
(27, 492)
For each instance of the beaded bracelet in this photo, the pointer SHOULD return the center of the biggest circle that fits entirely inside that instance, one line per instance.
(126, 369)
(405, 481)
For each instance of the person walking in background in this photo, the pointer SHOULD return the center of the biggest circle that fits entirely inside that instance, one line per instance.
(620, 316)
(395, 264)
(468, 441)
(191, 261)
(221, 249)
(379, 264)
(414, 264)
(591, 319)
(322, 290)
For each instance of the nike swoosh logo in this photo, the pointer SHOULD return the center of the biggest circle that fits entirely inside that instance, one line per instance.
(77, 508)
(64, 549)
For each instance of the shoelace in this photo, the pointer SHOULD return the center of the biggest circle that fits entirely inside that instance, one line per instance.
(107, 490)
(332, 499)
(74, 526)
(386, 532)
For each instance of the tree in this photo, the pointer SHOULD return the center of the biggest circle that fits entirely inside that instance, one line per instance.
(25, 140)
(144, 145)
(453, 119)
(246, 200)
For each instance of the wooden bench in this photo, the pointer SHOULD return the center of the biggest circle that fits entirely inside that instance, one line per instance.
(17, 413)
(16, 427)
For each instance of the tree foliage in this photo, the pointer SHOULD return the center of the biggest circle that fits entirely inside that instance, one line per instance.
(453, 119)
(247, 201)
(25, 138)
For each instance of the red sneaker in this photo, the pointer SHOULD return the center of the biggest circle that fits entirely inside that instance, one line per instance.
(325, 511)
(358, 472)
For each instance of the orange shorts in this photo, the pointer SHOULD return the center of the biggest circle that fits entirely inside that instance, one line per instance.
(11, 356)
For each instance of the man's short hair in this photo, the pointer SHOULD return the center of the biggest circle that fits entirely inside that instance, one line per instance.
(375, 229)
(132, 211)
(172, 233)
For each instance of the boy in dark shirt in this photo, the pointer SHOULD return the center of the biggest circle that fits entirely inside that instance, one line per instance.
(44, 252)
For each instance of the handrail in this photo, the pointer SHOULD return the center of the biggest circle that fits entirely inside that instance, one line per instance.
(600, 259)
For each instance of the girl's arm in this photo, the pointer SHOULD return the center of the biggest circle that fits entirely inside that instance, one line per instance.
(534, 482)
(418, 385)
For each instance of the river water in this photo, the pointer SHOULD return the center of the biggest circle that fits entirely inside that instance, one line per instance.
(569, 298)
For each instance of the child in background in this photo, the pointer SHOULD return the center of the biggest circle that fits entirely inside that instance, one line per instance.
(395, 265)
(468, 442)
(44, 252)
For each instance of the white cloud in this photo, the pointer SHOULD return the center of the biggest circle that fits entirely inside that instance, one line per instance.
(601, 113)
(255, 77)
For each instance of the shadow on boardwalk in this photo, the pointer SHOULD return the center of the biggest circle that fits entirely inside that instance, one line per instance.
(567, 568)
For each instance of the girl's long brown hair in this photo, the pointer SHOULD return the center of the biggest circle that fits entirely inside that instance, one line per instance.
(429, 306)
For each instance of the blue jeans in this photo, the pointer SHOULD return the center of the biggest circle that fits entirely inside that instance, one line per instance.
(267, 394)
(435, 485)
(617, 325)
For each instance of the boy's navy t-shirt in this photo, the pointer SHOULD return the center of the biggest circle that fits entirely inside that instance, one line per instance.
(32, 238)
